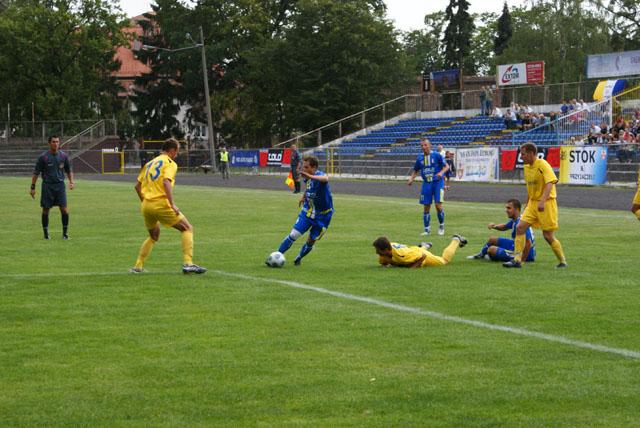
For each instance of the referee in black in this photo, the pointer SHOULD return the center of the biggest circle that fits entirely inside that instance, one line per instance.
(53, 164)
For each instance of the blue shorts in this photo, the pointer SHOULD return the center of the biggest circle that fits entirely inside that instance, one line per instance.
(318, 225)
(52, 195)
(505, 251)
(432, 191)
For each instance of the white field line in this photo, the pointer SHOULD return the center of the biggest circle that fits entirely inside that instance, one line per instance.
(439, 316)
(371, 301)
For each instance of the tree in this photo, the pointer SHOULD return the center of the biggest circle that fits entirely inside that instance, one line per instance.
(482, 42)
(505, 31)
(276, 66)
(457, 37)
(561, 33)
(59, 55)
(625, 23)
(424, 48)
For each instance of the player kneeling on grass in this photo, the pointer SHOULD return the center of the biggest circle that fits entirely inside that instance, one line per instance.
(394, 254)
(501, 249)
(317, 209)
(155, 190)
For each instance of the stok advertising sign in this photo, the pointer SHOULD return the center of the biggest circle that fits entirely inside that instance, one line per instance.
(524, 73)
(583, 165)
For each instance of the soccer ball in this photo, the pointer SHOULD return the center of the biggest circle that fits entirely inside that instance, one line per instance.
(275, 259)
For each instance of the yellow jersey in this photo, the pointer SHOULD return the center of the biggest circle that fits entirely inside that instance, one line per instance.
(402, 255)
(153, 175)
(537, 175)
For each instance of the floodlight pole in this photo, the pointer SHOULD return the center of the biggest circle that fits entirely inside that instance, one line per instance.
(212, 146)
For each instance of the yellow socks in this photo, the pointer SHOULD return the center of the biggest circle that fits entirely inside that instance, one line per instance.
(557, 249)
(450, 251)
(145, 250)
(520, 242)
(187, 247)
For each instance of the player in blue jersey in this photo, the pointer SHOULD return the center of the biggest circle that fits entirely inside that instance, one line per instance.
(432, 167)
(317, 209)
(53, 165)
(501, 249)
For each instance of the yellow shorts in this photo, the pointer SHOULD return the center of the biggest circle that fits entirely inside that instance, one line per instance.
(545, 220)
(636, 199)
(159, 211)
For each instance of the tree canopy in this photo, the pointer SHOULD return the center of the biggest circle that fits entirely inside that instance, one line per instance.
(59, 55)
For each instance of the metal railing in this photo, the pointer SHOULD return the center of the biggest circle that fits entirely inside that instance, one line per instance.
(411, 105)
(577, 124)
(37, 132)
(91, 136)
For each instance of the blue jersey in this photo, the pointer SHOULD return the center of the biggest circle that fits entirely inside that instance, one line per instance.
(513, 224)
(429, 166)
(52, 167)
(317, 198)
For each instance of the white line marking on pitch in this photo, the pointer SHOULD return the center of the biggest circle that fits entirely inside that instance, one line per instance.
(417, 311)
(439, 316)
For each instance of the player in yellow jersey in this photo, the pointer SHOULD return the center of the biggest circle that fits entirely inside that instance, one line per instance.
(394, 254)
(542, 209)
(155, 190)
(635, 208)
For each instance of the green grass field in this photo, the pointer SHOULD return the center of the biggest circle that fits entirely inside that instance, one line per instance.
(84, 343)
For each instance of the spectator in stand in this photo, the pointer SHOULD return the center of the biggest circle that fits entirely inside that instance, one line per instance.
(497, 113)
(441, 150)
(619, 125)
(483, 101)
(510, 119)
(573, 105)
(604, 137)
(583, 105)
(526, 122)
(489, 99)
(564, 109)
(594, 132)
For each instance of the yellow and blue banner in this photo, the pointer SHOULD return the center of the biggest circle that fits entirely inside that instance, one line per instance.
(583, 165)
(608, 88)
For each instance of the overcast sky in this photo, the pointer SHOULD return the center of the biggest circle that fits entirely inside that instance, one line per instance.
(408, 14)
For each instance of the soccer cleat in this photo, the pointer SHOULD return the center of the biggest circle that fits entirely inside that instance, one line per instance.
(512, 264)
(462, 239)
(187, 269)
(46, 237)
(137, 270)
(297, 261)
(426, 245)
(441, 229)
(427, 231)
(561, 265)
(65, 237)
(476, 257)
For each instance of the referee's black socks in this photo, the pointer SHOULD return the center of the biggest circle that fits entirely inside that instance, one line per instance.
(45, 225)
(65, 224)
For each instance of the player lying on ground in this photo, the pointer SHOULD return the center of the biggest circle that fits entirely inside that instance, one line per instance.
(501, 249)
(394, 254)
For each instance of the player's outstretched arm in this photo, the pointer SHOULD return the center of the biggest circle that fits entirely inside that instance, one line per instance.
(412, 177)
(32, 189)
